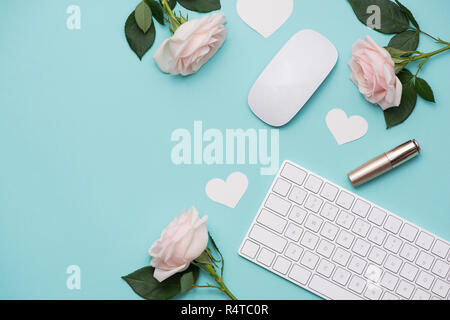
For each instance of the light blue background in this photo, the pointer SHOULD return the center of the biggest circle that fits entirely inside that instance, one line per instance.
(85, 171)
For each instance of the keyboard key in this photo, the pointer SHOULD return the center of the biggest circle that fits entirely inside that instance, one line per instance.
(268, 238)
(299, 274)
(341, 256)
(309, 260)
(393, 224)
(329, 211)
(293, 251)
(389, 296)
(281, 265)
(441, 288)
(341, 276)
(357, 284)
(345, 239)
(424, 240)
(361, 208)
(373, 292)
(377, 255)
(293, 173)
(425, 280)
(309, 240)
(281, 187)
(421, 295)
(389, 281)
(409, 272)
(424, 260)
(345, 219)
(329, 192)
(313, 183)
(440, 268)
(345, 200)
(373, 273)
(332, 291)
(250, 249)
(329, 231)
(298, 214)
(393, 263)
(277, 204)
(361, 247)
(313, 203)
(405, 289)
(377, 216)
(266, 257)
(293, 232)
(271, 220)
(325, 248)
(313, 222)
(298, 195)
(357, 264)
(440, 249)
(325, 268)
(361, 227)
(393, 244)
(408, 252)
(377, 236)
(408, 232)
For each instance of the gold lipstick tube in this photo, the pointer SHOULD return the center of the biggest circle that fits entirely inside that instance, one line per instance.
(385, 162)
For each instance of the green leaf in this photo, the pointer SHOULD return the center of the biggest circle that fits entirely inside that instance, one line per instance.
(143, 16)
(204, 258)
(406, 41)
(397, 53)
(405, 76)
(139, 42)
(396, 115)
(214, 244)
(172, 3)
(393, 20)
(200, 5)
(408, 14)
(424, 90)
(157, 10)
(399, 57)
(399, 66)
(146, 286)
(188, 279)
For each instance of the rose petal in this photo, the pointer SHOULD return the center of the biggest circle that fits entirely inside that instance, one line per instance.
(192, 45)
(373, 73)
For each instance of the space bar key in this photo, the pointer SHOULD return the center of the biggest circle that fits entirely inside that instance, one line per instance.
(331, 290)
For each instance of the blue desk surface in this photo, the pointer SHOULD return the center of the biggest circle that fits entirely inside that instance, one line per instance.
(86, 176)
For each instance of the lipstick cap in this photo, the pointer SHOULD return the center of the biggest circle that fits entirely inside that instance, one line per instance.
(403, 153)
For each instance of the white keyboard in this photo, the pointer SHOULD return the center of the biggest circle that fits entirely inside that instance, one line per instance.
(340, 246)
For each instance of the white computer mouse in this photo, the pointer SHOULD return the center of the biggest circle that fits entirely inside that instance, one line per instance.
(292, 77)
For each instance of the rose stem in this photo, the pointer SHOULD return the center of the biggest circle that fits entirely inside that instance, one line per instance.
(427, 56)
(420, 66)
(423, 32)
(430, 54)
(168, 10)
(429, 35)
(219, 281)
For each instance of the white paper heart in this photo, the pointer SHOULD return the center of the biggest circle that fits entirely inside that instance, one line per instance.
(227, 192)
(265, 16)
(346, 129)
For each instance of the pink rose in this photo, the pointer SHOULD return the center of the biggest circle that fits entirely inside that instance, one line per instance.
(192, 45)
(182, 241)
(373, 73)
